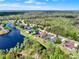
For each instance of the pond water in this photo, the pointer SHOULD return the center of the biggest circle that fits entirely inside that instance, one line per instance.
(10, 39)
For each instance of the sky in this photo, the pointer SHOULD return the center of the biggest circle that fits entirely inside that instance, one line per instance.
(39, 4)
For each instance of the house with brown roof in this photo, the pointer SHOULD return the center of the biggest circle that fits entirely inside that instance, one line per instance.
(70, 44)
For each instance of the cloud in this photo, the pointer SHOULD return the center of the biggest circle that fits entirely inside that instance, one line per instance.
(17, 6)
(9, 5)
(34, 2)
(40, 3)
(57, 0)
(29, 1)
(35, 5)
(2, 0)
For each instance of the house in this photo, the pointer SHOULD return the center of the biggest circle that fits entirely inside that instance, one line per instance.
(47, 35)
(28, 27)
(18, 22)
(51, 37)
(71, 44)
(30, 20)
(43, 34)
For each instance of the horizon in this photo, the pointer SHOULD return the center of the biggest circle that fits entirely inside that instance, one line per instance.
(38, 10)
(39, 5)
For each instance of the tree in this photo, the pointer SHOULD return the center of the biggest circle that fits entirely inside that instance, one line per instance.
(8, 56)
(58, 41)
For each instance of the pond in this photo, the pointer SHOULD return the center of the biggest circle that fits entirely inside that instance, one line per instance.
(10, 39)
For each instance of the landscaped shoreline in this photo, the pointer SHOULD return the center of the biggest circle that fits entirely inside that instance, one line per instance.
(3, 30)
(4, 33)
